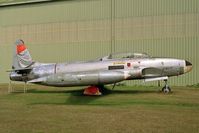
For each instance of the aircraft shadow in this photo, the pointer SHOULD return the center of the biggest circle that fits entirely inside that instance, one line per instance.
(53, 91)
(105, 91)
(76, 97)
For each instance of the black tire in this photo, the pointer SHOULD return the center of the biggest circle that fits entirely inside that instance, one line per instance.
(166, 89)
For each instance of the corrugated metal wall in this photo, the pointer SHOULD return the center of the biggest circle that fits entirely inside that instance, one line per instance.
(87, 29)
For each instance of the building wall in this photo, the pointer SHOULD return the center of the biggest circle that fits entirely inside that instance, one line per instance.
(88, 29)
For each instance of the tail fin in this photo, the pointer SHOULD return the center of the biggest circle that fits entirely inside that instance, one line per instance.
(21, 56)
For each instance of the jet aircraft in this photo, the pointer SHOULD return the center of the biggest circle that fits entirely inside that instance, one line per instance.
(110, 69)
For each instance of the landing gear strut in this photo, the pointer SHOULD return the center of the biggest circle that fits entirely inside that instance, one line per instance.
(166, 88)
(114, 86)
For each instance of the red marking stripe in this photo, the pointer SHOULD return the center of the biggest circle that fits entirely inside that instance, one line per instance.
(20, 48)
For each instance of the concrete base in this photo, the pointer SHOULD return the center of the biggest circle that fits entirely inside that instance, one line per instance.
(92, 91)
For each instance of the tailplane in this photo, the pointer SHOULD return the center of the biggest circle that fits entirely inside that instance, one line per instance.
(21, 56)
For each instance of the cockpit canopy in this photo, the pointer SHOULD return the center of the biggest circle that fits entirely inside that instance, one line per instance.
(126, 55)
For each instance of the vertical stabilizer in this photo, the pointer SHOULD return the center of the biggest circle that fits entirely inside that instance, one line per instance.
(21, 56)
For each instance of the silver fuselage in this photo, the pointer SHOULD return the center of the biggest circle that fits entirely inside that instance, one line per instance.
(102, 72)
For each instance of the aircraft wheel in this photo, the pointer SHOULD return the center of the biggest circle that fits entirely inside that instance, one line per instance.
(166, 89)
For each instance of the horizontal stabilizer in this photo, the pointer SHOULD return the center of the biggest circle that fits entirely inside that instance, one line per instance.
(155, 79)
(20, 70)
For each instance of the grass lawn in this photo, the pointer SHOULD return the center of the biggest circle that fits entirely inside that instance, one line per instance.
(138, 109)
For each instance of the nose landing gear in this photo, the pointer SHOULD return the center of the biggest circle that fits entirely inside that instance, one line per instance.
(166, 89)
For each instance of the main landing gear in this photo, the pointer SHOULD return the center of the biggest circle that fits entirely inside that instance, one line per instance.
(166, 89)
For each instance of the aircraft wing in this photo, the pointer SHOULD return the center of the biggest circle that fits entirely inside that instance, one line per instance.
(23, 70)
(83, 78)
(38, 80)
(156, 79)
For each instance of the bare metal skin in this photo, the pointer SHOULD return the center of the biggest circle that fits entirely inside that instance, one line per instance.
(107, 70)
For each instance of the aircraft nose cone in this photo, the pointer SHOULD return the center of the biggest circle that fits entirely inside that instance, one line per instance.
(188, 67)
(188, 63)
